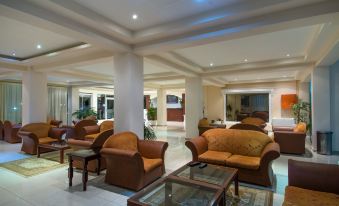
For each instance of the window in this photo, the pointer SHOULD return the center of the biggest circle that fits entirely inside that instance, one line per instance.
(85, 101)
(105, 106)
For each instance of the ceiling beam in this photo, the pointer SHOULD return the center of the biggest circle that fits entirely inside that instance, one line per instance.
(81, 76)
(36, 15)
(9, 66)
(291, 18)
(156, 79)
(214, 82)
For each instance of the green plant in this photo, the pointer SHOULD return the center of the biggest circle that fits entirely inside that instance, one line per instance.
(229, 111)
(149, 133)
(152, 113)
(301, 113)
(83, 113)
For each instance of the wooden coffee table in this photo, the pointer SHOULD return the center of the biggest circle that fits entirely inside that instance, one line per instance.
(61, 147)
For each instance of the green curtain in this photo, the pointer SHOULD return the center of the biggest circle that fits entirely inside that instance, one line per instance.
(57, 103)
(10, 101)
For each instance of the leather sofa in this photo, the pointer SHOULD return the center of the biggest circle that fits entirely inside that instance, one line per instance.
(92, 132)
(291, 141)
(38, 133)
(94, 144)
(133, 163)
(76, 131)
(312, 184)
(11, 132)
(252, 127)
(1, 130)
(264, 115)
(254, 121)
(251, 152)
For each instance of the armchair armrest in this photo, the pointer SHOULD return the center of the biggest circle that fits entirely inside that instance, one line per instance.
(94, 129)
(287, 129)
(309, 175)
(270, 152)
(152, 149)
(119, 152)
(56, 132)
(197, 145)
(29, 135)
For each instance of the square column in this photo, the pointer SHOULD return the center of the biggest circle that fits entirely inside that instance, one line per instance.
(321, 112)
(129, 94)
(194, 105)
(161, 107)
(34, 97)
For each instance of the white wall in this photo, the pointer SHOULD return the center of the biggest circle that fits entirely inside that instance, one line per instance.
(334, 86)
(320, 102)
(214, 103)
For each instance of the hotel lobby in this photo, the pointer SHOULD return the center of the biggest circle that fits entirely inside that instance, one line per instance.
(186, 102)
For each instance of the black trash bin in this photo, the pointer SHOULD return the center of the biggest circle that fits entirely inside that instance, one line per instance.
(324, 142)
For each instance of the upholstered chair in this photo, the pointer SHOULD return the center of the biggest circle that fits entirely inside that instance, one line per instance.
(254, 121)
(76, 131)
(204, 125)
(92, 132)
(38, 133)
(11, 132)
(291, 141)
(93, 144)
(133, 163)
(1, 130)
(242, 126)
(55, 123)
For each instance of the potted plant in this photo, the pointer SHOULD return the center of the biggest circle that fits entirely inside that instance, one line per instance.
(149, 133)
(301, 113)
(152, 115)
(83, 113)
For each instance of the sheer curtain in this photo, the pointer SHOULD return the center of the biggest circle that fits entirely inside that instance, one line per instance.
(259, 102)
(57, 103)
(10, 101)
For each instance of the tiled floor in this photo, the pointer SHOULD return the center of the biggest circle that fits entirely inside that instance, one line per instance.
(51, 188)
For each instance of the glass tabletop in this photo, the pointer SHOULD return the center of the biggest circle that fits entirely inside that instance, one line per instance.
(173, 193)
(212, 174)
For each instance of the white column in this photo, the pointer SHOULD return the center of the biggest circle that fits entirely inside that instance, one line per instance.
(320, 102)
(161, 107)
(34, 97)
(128, 94)
(194, 104)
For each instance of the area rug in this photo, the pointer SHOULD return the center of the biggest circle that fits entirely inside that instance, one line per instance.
(249, 196)
(33, 166)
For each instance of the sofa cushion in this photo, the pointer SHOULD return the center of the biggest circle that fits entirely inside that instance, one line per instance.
(214, 157)
(304, 197)
(245, 162)
(203, 122)
(46, 140)
(241, 142)
(106, 125)
(39, 129)
(123, 140)
(300, 127)
(253, 120)
(92, 136)
(151, 164)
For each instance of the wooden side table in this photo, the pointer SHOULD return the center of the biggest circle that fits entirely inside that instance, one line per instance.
(84, 156)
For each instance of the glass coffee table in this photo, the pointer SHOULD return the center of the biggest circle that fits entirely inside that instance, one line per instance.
(172, 190)
(57, 146)
(189, 186)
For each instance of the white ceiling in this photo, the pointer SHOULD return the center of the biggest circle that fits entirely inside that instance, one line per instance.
(275, 45)
(150, 12)
(23, 38)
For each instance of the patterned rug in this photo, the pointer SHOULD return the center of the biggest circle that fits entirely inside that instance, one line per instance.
(33, 166)
(249, 196)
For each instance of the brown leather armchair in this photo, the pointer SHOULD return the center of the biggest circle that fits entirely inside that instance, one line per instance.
(243, 126)
(55, 123)
(291, 141)
(1, 130)
(96, 145)
(92, 132)
(38, 133)
(11, 132)
(254, 121)
(133, 163)
(261, 114)
(76, 131)
(306, 179)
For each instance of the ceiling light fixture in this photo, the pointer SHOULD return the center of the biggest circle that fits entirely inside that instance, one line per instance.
(38, 46)
(288, 55)
(245, 60)
(135, 16)
(211, 64)
(13, 54)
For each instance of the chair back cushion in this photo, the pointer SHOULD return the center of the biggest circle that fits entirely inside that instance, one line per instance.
(123, 141)
(300, 127)
(203, 122)
(39, 129)
(106, 125)
(253, 120)
(240, 142)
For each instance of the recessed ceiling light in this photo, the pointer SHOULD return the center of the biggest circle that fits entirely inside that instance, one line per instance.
(13, 54)
(245, 60)
(211, 64)
(288, 55)
(38, 46)
(135, 16)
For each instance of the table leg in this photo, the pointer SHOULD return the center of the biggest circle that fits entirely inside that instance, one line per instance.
(61, 156)
(84, 175)
(70, 170)
(38, 152)
(236, 185)
(223, 199)
(98, 165)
